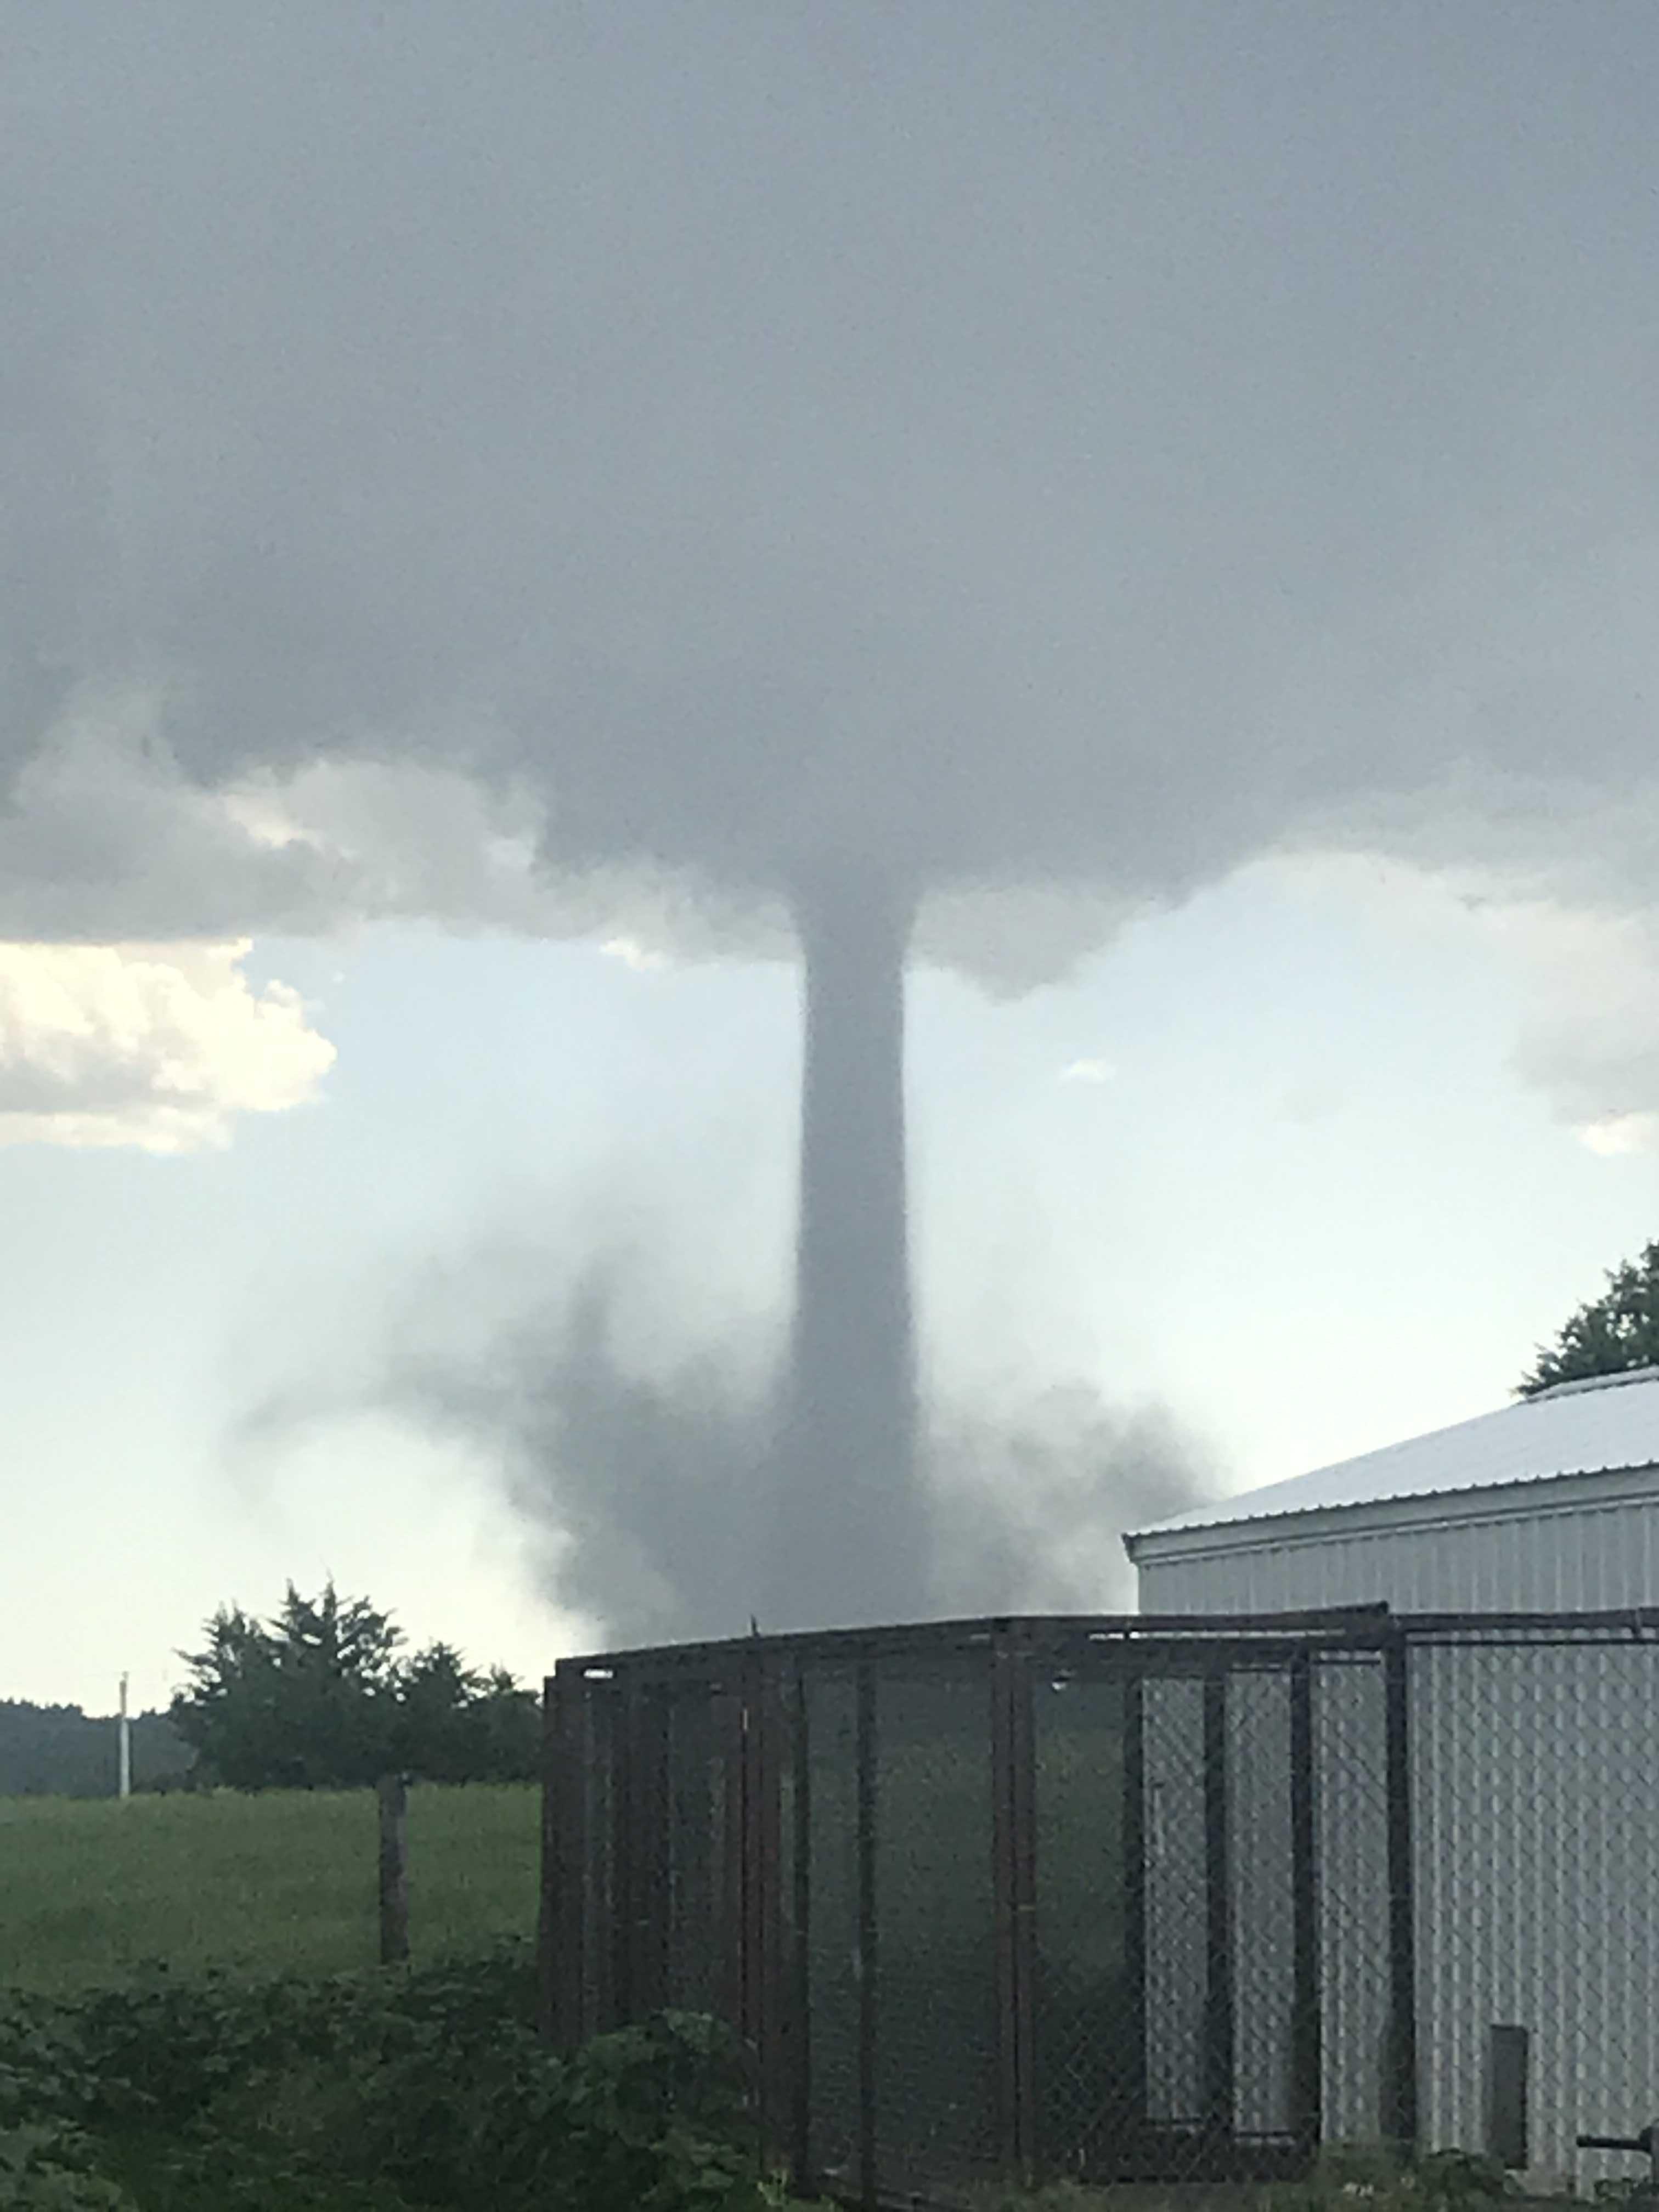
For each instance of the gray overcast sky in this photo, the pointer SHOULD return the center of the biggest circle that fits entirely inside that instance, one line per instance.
(482, 484)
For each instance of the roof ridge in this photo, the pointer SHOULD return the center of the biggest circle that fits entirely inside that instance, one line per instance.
(1613, 1382)
(1509, 1444)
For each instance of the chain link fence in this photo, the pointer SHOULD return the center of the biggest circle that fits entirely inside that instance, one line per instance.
(1129, 1900)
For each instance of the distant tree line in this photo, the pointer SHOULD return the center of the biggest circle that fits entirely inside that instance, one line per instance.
(58, 1751)
(323, 1697)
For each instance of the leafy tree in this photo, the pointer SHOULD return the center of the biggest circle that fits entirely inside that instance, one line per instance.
(336, 1662)
(228, 1712)
(307, 1702)
(1611, 1335)
(506, 1725)
(437, 1692)
(321, 1698)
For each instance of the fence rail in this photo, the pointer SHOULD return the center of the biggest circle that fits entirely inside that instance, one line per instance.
(1127, 1899)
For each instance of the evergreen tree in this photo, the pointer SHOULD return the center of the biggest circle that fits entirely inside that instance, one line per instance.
(1611, 1335)
(437, 1692)
(320, 1698)
(307, 1702)
(507, 1723)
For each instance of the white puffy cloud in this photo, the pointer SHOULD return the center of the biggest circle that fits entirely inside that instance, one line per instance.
(641, 958)
(105, 841)
(1619, 1134)
(1591, 1035)
(160, 1046)
(1585, 975)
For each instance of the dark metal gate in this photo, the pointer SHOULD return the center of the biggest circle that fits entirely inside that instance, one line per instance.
(1016, 1896)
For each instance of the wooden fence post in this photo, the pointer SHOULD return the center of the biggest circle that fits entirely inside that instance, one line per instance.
(393, 1794)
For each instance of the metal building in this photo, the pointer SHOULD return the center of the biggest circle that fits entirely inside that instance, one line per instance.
(1550, 1506)
(1533, 1767)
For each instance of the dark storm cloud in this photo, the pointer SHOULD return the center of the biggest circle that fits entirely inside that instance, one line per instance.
(1037, 445)
(1061, 449)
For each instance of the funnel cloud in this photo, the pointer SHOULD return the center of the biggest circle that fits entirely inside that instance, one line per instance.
(847, 1498)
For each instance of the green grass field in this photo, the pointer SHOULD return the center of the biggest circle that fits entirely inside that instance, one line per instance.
(91, 1890)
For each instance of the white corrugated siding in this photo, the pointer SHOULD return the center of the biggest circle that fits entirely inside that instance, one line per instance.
(1535, 1807)
(1535, 1782)
(1351, 1853)
(1262, 1904)
(1570, 1558)
(1535, 1772)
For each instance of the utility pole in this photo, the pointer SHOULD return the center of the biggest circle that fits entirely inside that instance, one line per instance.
(124, 1787)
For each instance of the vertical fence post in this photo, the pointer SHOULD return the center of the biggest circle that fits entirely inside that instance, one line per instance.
(1013, 1901)
(1218, 1883)
(731, 1735)
(1133, 2108)
(565, 1873)
(552, 1876)
(766, 1998)
(1506, 2097)
(1307, 2060)
(1022, 1777)
(1400, 2117)
(801, 1963)
(629, 1850)
(594, 1805)
(868, 1931)
(393, 1800)
(652, 1715)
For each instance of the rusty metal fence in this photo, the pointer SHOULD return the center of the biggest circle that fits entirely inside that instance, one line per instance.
(1128, 1899)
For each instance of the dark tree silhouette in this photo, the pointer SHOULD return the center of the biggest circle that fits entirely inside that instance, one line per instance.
(58, 1751)
(319, 1698)
(1611, 1335)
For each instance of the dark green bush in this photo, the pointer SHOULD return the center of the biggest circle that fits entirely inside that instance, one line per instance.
(360, 2094)
(50, 2166)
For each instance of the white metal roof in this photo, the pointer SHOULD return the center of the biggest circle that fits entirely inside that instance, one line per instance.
(1607, 1424)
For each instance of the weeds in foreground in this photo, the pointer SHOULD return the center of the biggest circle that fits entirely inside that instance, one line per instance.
(1357, 2179)
(365, 2095)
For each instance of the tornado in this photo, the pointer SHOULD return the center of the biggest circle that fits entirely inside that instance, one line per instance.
(849, 1542)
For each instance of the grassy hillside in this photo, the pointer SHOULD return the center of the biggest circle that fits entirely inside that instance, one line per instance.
(260, 1885)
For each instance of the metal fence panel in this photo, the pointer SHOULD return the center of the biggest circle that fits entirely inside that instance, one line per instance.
(1262, 1906)
(595, 1994)
(1351, 1898)
(1536, 1780)
(834, 1974)
(1089, 2016)
(697, 1935)
(936, 2029)
(1128, 1899)
(1176, 1956)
